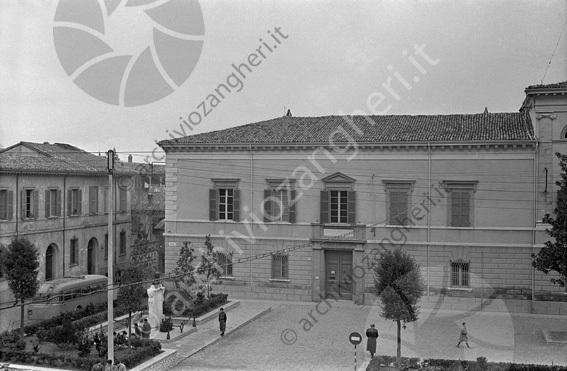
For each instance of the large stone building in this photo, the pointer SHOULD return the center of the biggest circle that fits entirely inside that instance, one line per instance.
(56, 196)
(319, 197)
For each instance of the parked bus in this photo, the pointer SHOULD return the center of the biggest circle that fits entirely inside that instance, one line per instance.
(66, 294)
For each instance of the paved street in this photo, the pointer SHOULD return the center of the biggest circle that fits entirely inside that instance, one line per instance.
(322, 339)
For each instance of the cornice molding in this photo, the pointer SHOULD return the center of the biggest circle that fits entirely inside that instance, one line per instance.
(390, 147)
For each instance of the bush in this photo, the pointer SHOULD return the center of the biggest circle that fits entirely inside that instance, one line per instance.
(166, 325)
(207, 305)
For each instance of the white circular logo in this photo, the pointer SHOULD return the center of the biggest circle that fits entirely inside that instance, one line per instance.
(128, 53)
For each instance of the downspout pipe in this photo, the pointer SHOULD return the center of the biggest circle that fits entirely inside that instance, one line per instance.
(17, 205)
(535, 167)
(251, 200)
(63, 204)
(428, 215)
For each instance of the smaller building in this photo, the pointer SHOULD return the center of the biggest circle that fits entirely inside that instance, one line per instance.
(56, 195)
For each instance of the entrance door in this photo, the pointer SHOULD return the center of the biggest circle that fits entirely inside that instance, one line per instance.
(338, 265)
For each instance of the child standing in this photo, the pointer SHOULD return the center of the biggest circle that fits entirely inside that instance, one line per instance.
(463, 337)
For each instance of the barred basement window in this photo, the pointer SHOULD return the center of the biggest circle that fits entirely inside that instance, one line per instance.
(460, 274)
(225, 261)
(280, 267)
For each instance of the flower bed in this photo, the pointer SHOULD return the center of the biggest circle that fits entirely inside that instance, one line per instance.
(205, 306)
(481, 364)
(66, 359)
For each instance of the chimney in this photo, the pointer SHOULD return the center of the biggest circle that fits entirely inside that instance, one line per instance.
(129, 158)
(486, 110)
(288, 114)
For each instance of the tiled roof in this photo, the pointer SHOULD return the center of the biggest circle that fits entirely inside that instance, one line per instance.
(145, 168)
(383, 129)
(556, 85)
(57, 157)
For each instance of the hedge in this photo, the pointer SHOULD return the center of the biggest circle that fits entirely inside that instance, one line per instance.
(481, 364)
(138, 355)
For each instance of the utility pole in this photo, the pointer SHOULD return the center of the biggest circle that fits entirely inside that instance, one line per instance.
(110, 288)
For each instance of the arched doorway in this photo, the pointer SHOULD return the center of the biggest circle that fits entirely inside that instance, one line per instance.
(50, 262)
(91, 256)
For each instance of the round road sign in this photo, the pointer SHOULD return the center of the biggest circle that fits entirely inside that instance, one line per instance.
(355, 338)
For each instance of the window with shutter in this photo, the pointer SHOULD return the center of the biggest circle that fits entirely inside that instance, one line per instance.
(51, 203)
(398, 193)
(279, 201)
(74, 202)
(74, 253)
(460, 202)
(338, 200)
(122, 242)
(3, 204)
(30, 206)
(123, 199)
(224, 200)
(93, 200)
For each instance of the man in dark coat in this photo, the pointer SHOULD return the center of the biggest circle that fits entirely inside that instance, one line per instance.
(222, 321)
(372, 335)
(146, 329)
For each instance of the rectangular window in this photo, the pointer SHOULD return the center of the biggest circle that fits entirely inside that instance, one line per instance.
(106, 246)
(122, 243)
(279, 201)
(339, 207)
(224, 200)
(226, 204)
(280, 267)
(6, 204)
(74, 202)
(93, 200)
(460, 202)
(30, 207)
(398, 194)
(74, 251)
(460, 208)
(225, 261)
(123, 198)
(460, 274)
(52, 203)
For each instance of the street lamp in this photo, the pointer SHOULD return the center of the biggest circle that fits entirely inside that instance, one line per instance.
(110, 288)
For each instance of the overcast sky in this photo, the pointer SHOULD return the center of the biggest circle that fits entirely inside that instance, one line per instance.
(332, 57)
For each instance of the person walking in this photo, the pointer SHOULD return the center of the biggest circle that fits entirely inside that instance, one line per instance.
(463, 336)
(372, 335)
(222, 321)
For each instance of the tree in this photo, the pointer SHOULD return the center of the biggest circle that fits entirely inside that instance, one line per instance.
(20, 266)
(209, 267)
(399, 285)
(553, 256)
(132, 291)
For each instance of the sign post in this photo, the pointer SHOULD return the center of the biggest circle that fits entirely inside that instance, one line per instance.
(355, 338)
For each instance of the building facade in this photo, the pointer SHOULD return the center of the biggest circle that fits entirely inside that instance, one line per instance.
(56, 195)
(300, 207)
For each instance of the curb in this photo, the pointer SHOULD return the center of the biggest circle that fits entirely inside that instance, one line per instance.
(214, 341)
(363, 366)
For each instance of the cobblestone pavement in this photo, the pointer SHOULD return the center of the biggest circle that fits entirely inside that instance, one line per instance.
(321, 338)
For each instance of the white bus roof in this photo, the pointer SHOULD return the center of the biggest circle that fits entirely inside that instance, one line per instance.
(67, 283)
